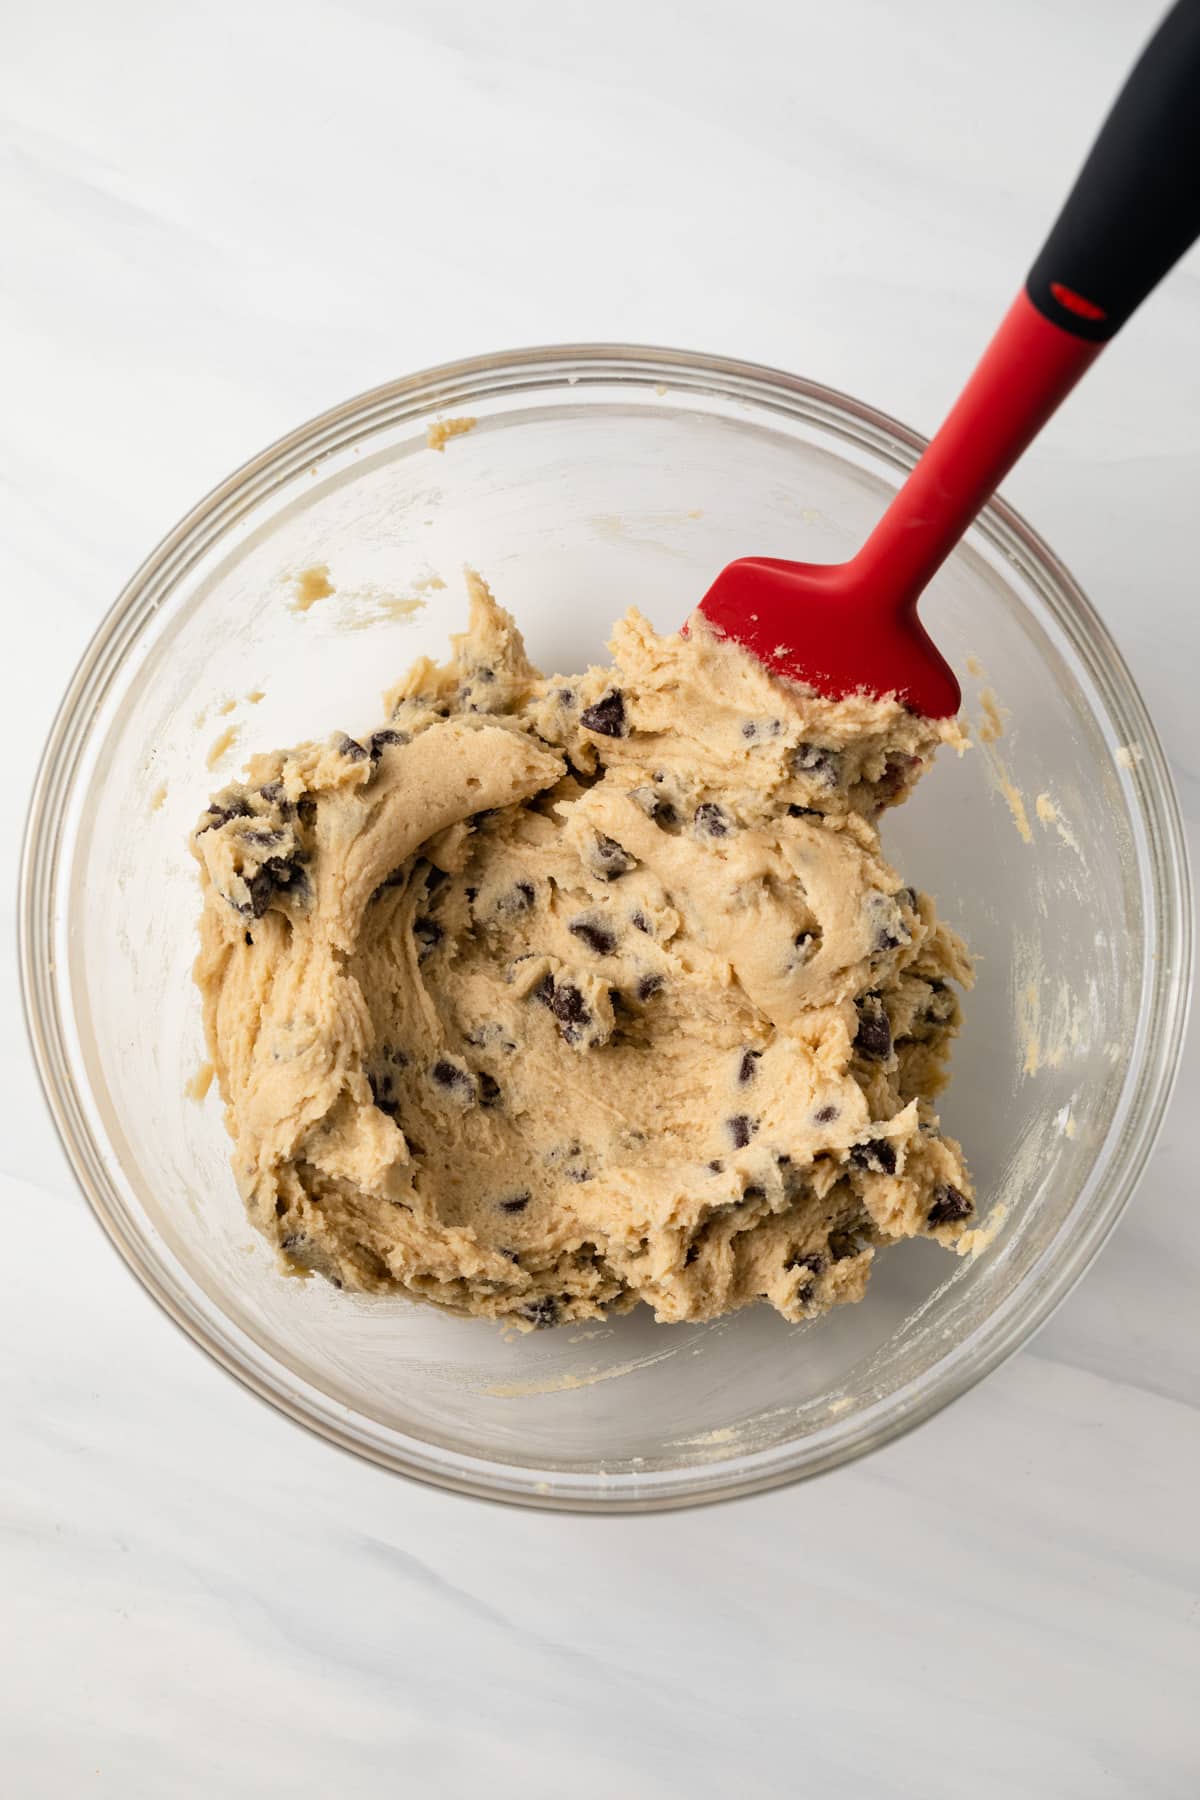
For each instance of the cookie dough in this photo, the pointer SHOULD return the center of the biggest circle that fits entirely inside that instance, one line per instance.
(550, 996)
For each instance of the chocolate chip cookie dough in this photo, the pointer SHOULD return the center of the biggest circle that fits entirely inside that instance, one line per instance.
(550, 996)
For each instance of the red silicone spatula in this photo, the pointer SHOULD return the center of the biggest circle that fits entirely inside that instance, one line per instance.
(846, 627)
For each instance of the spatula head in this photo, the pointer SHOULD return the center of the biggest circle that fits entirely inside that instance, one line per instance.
(819, 624)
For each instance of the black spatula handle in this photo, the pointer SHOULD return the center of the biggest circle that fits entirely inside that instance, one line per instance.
(1136, 205)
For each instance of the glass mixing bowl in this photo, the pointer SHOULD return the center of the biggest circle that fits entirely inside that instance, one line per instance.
(592, 479)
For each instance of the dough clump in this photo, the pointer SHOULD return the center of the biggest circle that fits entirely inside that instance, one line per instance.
(555, 995)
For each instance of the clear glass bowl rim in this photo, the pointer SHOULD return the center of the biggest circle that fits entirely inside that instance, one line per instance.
(458, 385)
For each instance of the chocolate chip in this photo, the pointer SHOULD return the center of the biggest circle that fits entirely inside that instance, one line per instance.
(382, 1093)
(566, 696)
(804, 812)
(276, 873)
(218, 815)
(874, 1035)
(711, 820)
(804, 943)
(906, 896)
(607, 717)
(809, 1267)
(569, 1007)
(825, 1115)
(717, 1166)
(642, 923)
(263, 839)
(517, 1202)
(655, 806)
(748, 1066)
(512, 1255)
(489, 1089)
(650, 985)
(454, 1079)
(597, 936)
(428, 934)
(740, 1129)
(541, 1313)
(518, 898)
(887, 940)
(544, 991)
(246, 938)
(348, 746)
(812, 1261)
(575, 1172)
(819, 763)
(878, 1155)
(272, 792)
(749, 729)
(610, 859)
(949, 1206)
(383, 740)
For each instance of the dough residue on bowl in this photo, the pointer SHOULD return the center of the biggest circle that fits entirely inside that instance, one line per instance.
(309, 586)
(221, 745)
(440, 431)
(553, 995)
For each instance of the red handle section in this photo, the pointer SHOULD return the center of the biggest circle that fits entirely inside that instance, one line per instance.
(1027, 370)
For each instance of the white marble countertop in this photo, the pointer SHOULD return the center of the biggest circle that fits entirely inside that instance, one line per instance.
(217, 221)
